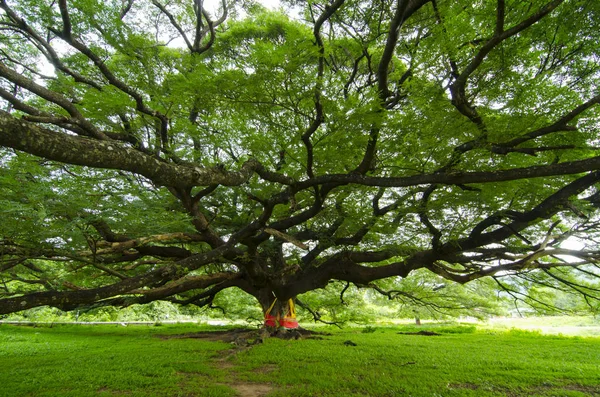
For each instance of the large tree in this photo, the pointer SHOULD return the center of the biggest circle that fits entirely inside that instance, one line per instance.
(161, 150)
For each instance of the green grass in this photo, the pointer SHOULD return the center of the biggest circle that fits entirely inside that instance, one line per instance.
(105, 361)
(132, 361)
(557, 325)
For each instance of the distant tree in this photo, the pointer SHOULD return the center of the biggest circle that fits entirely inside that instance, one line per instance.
(151, 150)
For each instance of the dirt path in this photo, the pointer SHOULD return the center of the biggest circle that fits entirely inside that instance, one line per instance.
(241, 340)
(243, 389)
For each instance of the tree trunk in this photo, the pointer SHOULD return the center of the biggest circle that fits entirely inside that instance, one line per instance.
(277, 313)
(417, 318)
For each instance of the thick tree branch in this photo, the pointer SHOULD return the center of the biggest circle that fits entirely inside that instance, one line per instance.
(458, 88)
(404, 10)
(118, 83)
(558, 126)
(45, 47)
(53, 97)
(68, 300)
(266, 93)
(390, 46)
(436, 234)
(68, 149)
(184, 284)
(457, 177)
(126, 8)
(316, 315)
(319, 115)
(174, 23)
(499, 38)
(24, 136)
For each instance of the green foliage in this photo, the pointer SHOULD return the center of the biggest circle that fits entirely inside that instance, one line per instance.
(235, 304)
(327, 303)
(306, 101)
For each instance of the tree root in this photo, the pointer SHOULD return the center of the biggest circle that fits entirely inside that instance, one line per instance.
(250, 337)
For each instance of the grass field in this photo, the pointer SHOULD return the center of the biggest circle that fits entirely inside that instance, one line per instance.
(75, 360)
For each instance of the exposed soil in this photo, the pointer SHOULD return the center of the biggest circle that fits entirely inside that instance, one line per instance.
(470, 386)
(213, 336)
(267, 369)
(589, 390)
(243, 389)
(224, 363)
(423, 333)
(251, 389)
(243, 339)
(113, 392)
(248, 336)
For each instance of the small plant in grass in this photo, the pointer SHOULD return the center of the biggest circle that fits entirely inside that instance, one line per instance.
(368, 329)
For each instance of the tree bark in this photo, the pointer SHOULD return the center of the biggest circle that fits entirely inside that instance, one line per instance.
(30, 138)
(273, 309)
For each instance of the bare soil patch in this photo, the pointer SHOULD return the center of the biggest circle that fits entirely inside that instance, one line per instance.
(243, 339)
(113, 392)
(588, 390)
(423, 333)
(470, 386)
(267, 369)
(251, 389)
(248, 336)
(214, 336)
(223, 363)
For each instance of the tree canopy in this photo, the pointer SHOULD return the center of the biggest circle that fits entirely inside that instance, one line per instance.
(165, 150)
